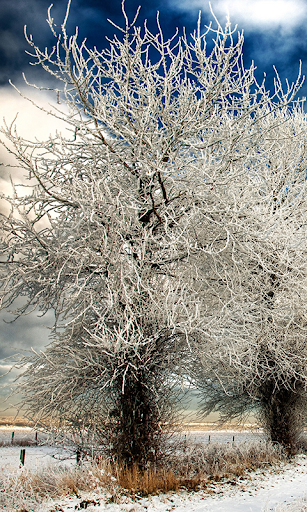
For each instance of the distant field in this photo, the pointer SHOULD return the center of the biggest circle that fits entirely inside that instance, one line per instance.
(18, 421)
(42, 451)
(216, 426)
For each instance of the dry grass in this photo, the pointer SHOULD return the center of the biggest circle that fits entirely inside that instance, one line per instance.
(193, 467)
(218, 460)
(19, 442)
(153, 481)
(26, 490)
(187, 467)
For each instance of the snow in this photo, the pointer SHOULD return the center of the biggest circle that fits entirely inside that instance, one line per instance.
(36, 457)
(263, 493)
(223, 436)
(274, 489)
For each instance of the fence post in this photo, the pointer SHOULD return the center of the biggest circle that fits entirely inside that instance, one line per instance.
(36, 441)
(22, 456)
(209, 439)
(78, 456)
(13, 433)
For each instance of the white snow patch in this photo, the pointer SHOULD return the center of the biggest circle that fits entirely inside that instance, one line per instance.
(275, 489)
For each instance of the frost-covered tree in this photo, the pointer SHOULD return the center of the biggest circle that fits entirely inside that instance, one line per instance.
(124, 227)
(254, 356)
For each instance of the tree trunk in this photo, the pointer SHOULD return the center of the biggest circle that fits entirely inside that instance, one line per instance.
(281, 411)
(137, 416)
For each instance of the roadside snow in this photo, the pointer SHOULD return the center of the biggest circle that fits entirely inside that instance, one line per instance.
(265, 491)
(278, 490)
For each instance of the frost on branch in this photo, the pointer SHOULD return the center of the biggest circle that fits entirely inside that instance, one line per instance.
(254, 355)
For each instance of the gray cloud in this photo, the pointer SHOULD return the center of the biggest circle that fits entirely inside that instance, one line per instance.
(24, 333)
(16, 339)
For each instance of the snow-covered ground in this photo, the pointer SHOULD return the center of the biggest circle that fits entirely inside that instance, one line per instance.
(36, 457)
(222, 436)
(281, 489)
(265, 492)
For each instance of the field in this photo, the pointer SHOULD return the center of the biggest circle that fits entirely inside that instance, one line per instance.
(51, 481)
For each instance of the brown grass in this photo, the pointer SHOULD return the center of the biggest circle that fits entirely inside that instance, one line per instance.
(18, 442)
(154, 481)
(26, 490)
(218, 461)
(191, 468)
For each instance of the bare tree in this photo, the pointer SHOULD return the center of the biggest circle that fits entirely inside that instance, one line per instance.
(124, 225)
(254, 356)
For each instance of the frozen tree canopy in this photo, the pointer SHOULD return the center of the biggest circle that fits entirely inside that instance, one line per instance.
(258, 351)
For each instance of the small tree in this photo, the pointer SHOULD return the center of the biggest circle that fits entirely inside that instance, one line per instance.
(254, 356)
(124, 216)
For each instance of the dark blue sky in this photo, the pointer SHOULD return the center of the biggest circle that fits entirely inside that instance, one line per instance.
(275, 30)
(275, 34)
